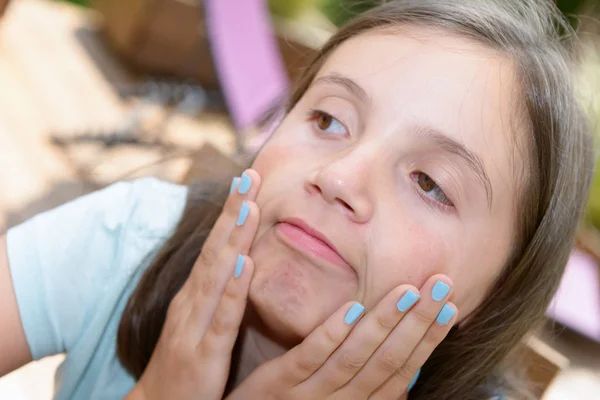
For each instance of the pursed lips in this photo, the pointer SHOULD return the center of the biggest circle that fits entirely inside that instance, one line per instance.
(304, 237)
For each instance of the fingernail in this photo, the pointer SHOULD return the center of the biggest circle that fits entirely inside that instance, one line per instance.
(445, 315)
(243, 214)
(407, 301)
(440, 290)
(245, 184)
(239, 266)
(353, 313)
(234, 184)
(414, 380)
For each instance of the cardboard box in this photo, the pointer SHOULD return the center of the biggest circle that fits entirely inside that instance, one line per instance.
(168, 37)
(160, 37)
(3, 5)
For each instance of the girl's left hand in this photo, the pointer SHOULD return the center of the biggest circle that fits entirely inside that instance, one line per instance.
(376, 359)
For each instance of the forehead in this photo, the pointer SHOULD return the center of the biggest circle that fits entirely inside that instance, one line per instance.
(426, 76)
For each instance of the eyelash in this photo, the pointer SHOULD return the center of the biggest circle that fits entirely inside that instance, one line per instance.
(445, 204)
(314, 116)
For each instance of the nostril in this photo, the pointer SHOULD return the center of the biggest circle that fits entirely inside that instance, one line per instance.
(315, 189)
(345, 205)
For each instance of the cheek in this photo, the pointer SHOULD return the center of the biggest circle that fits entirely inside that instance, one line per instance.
(270, 158)
(409, 254)
(290, 141)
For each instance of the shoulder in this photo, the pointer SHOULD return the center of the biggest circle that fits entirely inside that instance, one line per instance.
(71, 265)
(95, 228)
(147, 206)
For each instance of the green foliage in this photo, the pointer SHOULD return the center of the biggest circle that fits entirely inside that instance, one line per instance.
(340, 11)
(589, 94)
(289, 8)
(78, 2)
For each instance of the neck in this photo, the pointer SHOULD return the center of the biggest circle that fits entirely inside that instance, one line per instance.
(254, 347)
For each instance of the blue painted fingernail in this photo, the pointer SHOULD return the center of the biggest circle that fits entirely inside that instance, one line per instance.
(445, 315)
(353, 313)
(234, 184)
(243, 214)
(245, 184)
(440, 290)
(407, 301)
(414, 380)
(239, 266)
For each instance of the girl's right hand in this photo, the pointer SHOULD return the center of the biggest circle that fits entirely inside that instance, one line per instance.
(192, 357)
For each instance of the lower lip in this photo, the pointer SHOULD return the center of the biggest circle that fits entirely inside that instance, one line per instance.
(303, 241)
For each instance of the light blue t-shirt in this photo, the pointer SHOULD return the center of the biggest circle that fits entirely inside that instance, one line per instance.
(75, 267)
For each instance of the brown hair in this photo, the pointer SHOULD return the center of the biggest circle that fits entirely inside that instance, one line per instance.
(472, 362)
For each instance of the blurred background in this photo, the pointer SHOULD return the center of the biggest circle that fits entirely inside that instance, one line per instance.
(94, 91)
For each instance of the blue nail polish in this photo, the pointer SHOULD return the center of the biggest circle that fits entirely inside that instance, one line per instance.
(245, 184)
(239, 266)
(440, 290)
(445, 315)
(407, 301)
(353, 313)
(234, 184)
(414, 380)
(243, 214)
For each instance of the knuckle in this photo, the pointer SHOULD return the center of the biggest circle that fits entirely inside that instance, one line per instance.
(351, 363)
(208, 256)
(385, 322)
(328, 336)
(423, 316)
(388, 361)
(307, 363)
(406, 373)
(208, 284)
(232, 291)
(221, 325)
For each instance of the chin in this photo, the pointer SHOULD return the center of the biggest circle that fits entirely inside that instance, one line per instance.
(283, 303)
(290, 294)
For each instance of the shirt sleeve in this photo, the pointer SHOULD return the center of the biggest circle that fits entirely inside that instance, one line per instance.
(62, 260)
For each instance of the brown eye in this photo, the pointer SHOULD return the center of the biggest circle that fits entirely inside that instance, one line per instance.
(324, 121)
(425, 182)
(431, 189)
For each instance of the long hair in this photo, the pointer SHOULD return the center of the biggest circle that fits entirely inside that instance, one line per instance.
(474, 360)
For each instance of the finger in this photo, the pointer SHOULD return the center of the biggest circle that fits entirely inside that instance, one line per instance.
(218, 341)
(249, 184)
(364, 340)
(402, 379)
(302, 361)
(209, 286)
(394, 352)
(213, 354)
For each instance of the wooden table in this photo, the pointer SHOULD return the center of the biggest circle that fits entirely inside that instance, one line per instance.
(57, 75)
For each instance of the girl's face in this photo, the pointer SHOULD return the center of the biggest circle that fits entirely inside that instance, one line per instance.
(402, 156)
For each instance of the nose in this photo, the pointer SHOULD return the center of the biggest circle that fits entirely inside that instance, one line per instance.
(344, 183)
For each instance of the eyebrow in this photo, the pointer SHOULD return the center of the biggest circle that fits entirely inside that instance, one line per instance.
(441, 139)
(455, 147)
(347, 83)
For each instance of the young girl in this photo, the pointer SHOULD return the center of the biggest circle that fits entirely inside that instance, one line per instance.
(398, 236)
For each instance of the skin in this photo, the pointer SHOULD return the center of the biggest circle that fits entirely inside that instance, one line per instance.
(380, 169)
(354, 180)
